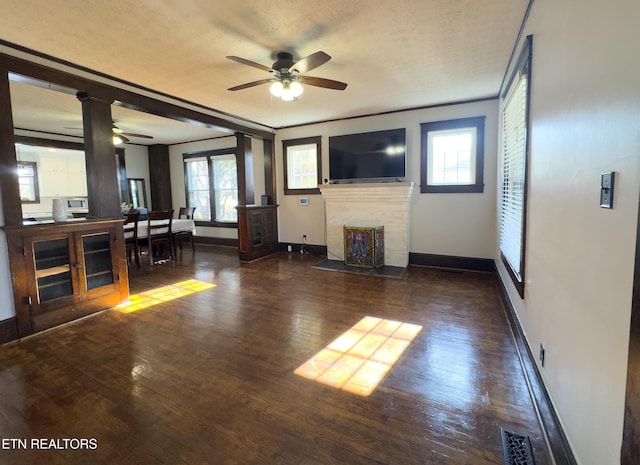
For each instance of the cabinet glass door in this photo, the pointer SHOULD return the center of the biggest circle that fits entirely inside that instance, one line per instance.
(53, 269)
(98, 263)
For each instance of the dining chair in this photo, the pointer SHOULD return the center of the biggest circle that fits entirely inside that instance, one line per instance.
(131, 236)
(184, 213)
(159, 233)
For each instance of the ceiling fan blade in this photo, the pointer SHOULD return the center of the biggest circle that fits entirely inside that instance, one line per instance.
(251, 63)
(310, 62)
(251, 84)
(132, 134)
(322, 82)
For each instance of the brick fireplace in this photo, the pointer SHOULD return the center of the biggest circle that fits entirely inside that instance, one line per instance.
(369, 205)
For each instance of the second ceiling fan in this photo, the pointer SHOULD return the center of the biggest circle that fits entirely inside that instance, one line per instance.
(288, 75)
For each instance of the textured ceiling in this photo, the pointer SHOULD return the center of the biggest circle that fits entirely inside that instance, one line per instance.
(393, 55)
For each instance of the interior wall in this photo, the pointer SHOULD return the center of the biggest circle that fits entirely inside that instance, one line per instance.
(136, 161)
(447, 224)
(585, 114)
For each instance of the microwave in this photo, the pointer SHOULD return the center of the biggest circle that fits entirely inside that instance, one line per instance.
(76, 203)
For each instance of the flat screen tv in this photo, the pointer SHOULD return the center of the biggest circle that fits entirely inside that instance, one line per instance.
(369, 156)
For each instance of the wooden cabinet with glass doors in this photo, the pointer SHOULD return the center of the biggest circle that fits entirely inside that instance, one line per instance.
(62, 272)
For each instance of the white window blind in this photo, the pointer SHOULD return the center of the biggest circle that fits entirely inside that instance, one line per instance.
(198, 193)
(513, 172)
(225, 186)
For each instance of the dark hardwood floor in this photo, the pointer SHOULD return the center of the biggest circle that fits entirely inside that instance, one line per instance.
(208, 378)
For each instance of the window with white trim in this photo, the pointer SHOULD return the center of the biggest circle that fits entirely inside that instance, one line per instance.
(211, 184)
(513, 168)
(28, 182)
(302, 165)
(452, 155)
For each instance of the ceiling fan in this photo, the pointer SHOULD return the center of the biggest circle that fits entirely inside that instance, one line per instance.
(120, 136)
(288, 75)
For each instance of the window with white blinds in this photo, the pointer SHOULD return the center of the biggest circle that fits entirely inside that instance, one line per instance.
(211, 185)
(513, 170)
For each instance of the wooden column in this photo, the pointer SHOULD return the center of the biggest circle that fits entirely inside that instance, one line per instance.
(102, 170)
(9, 189)
(269, 171)
(160, 177)
(244, 163)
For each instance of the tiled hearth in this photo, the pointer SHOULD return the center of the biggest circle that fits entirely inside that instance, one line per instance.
(369, 205)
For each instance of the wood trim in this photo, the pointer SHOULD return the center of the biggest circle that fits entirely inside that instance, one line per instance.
(448, 261)
(310, 249)
(229, 242)
(159, 177)
(631, 433)
(269, 171)
(8, 330)
(393, 112)
(68, 82)
(244, 164)
(9, 190)
(554, 434)
(476, 122)
(317, 140)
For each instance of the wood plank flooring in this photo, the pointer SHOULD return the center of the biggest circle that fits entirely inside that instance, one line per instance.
(208, 378)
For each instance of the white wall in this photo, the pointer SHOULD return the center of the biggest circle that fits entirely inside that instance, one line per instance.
(177, 176)
(136, 161)
(448, 224)
(585, 112)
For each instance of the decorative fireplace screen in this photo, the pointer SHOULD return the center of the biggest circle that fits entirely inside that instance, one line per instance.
(364, 246)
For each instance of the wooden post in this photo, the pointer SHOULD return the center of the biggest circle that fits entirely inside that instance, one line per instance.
(9, 189)
(100, 157)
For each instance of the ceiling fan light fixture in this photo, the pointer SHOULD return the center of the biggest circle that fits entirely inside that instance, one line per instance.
(118, 139)
(276, 89)
(287, 93)
(296, 89)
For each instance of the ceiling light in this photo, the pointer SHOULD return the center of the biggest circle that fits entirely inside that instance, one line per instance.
(276, 89)
(286, 89)
(117, 140)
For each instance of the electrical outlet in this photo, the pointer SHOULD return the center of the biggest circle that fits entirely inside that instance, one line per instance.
(289, 248)
(304, 238)
(542, 353)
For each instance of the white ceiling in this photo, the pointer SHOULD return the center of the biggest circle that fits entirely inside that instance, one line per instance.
(393, 55)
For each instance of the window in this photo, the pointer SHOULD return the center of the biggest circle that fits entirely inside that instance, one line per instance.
(513, 168)
(452, 155)
(211, 183)
(302, 165)
(28, 182)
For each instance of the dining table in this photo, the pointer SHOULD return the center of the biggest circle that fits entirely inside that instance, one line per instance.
(177, 226)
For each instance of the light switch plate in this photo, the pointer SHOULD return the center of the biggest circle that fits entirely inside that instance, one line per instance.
(606, 189)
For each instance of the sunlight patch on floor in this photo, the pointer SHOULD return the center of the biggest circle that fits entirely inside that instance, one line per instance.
(163, 294)
(360, 358)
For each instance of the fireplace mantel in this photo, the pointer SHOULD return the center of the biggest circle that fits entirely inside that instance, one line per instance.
(367, 205)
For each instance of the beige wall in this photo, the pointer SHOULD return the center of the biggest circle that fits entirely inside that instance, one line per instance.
(448, 224)
(585, 112)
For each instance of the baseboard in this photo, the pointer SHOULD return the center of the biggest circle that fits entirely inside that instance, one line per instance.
(557, 440)
(320, 250)
(8, 330)
(448, 261)
(215, 241)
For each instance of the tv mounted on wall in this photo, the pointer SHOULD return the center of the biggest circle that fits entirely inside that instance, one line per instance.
(370, 156)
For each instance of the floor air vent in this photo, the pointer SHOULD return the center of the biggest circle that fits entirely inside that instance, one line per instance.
(516, 448)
